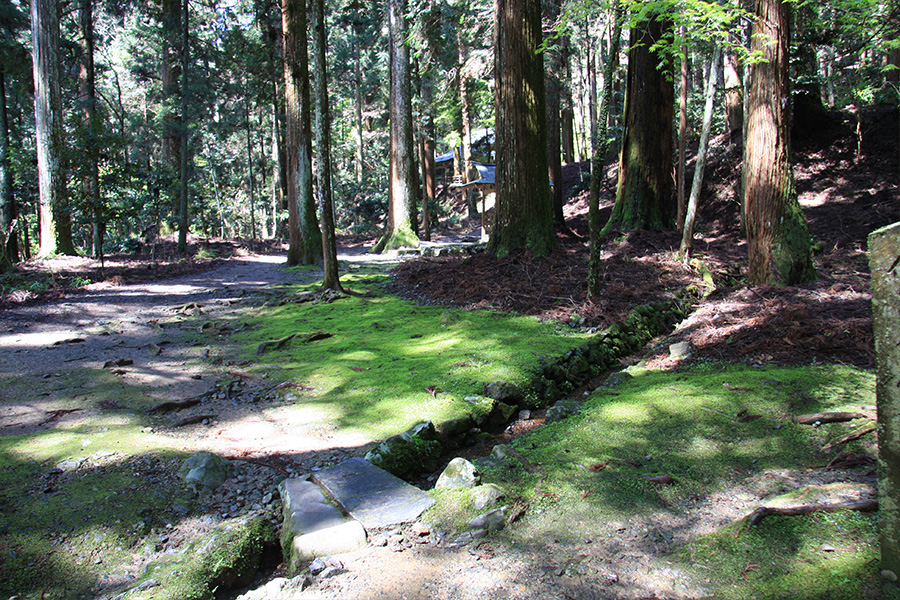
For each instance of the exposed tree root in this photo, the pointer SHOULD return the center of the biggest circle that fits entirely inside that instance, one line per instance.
(792, 511)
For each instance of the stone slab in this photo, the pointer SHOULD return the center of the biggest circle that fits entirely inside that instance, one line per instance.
(371, 495)
(348, 537)
(306, 510)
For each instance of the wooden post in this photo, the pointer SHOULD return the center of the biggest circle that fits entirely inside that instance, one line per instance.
(884, 263)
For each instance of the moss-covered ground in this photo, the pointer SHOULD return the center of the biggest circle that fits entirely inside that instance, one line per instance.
(390, 363)
(79, 502)
(586, 480)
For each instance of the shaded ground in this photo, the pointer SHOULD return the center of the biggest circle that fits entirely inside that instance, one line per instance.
(844, 197)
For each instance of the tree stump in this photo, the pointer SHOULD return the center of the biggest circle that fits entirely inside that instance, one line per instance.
(884, 263)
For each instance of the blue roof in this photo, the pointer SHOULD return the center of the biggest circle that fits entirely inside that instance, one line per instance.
(445, 157)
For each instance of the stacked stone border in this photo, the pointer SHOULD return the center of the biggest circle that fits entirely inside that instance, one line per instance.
(418, 450)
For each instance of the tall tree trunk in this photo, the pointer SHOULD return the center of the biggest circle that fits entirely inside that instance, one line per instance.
(56, 229)
(687, 237)
(402, 220)
(567, 110)
(734, 98)
(466, 166)
(330, 279)
(183, 170)
(777, 236)
(429, 181)
(644, 198)
(305, 240)
(170, 154)
(9, 248)
(251, 180)
(682, 137)
(90, 185)
(524, 217)
(360, 144)
(598, 160)
(553, 84)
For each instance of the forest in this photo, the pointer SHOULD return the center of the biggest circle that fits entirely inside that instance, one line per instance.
(632, 259)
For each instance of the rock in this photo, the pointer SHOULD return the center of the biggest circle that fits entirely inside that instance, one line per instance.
(204, 471)
(313, 527)
(889, 575)
(524, 415)
(481, 408)
(460, 473)
(371, 495)
(503, 391)
(419, 529)
(343, 538)
(415, 451)
(454, 428)
(616, 379)
(681, 349)
(493, 520)
(500, 452)
(562, 410)
(501, 414)
(485, 495)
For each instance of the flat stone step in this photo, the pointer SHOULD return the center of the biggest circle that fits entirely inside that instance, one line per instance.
(314, 526)
(371, 495)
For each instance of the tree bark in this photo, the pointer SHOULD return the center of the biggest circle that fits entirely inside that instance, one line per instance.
(682, 138)
(56, 229)
(330, 278)
(598, 160)
(251, 180)
(90, 185)
(644, 195)
(777, 236)
(402, 214)
(9, 248)
(184, 134)
(884, 262)
(360, 156)
(524, 217)
(687, 237)
(553, 85)
(734, 98)
(305, 240)
(567, 111)
(466, 166)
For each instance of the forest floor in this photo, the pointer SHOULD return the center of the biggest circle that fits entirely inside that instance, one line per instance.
(67, 313)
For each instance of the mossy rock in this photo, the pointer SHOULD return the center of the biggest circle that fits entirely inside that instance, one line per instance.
(227, 558)
(414, 451)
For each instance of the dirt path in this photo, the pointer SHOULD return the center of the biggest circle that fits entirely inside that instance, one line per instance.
(138, 331)
(44, 348)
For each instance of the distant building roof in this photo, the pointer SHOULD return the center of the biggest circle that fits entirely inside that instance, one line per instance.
(445, 157)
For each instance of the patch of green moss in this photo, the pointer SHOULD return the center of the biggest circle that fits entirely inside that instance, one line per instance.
(822, 555)
(371, 375)
(687, 425)
(229, 558)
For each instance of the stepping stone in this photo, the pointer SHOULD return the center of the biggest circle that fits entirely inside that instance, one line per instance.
(313, 527)
(371, 495)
